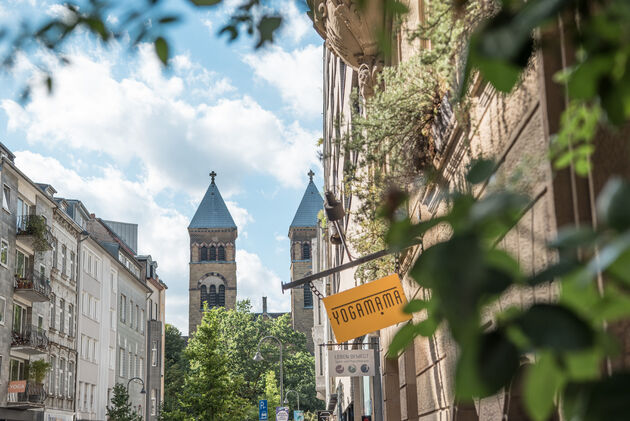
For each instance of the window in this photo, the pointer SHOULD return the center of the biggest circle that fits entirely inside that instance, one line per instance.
(72, 257)
(121, 362)
(88, 268)
(94, 350)
(306, 251)
(70, 379)
(4, 252)
(221, 296)
(142, 321)
(71, 320)
(308, 296)
(154, 354)
(204, 296)
(53, 311)
(52, 379)
(135, 365)
(137, 316)
(204, 254)
(92, 393)
(151, 309)
(221, 254)
(212, 301)
(62, 317)
(131, 314)
(62, 377)
(112, 319)
(130, 366)
(19, 318)
(16, 370)
(81, 391)
(141, 368)
(64, 263)
(112, 280)
(3, 305)
(55, 247)
(213, 253)
(21, 264)
(153, 401)
(123, 308)
(85, 394)
(6, 198)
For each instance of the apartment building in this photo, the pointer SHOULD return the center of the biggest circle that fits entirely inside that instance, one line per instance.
(155, 331)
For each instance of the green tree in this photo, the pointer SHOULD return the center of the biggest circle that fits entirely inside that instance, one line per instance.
(272, 394)
(120, 410)
(175, 368)
(210, 387)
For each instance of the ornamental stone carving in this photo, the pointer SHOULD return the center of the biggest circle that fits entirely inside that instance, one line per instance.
(351, 33)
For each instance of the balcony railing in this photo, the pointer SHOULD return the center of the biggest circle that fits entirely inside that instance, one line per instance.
(26, 393)
(30, 338)
(33, 285)
(34, 225)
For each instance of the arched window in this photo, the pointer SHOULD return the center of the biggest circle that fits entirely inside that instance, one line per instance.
(221, 298)
(306, 251)
(308, 296)
(204, 254)
(212, 302)
(204, 296)
(221, 254)
(213, 253)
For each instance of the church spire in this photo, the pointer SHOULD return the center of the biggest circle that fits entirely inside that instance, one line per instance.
(311, 204)
(212, 211)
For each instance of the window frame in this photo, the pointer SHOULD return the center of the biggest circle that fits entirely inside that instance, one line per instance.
(4, 248)
(6, 198)
(3, 311)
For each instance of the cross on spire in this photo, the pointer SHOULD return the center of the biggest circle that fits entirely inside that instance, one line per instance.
(311, 174)
(212, 175)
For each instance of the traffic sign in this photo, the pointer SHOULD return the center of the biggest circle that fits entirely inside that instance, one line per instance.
(262, 410)
(282, 413)
(298, 415)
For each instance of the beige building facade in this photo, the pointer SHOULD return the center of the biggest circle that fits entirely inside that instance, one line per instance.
(515, 130)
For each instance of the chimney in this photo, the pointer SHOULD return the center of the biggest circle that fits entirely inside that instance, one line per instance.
(264, 312)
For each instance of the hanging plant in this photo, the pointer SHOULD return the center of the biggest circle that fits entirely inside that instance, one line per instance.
(36, 226)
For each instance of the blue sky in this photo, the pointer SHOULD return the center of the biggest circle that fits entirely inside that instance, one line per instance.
(135, 143)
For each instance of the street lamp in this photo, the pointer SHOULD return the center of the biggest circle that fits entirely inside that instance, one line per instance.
(286, 400)
(141, 381)
(259, 357)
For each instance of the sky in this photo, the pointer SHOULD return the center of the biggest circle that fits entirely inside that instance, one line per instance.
(135, 142)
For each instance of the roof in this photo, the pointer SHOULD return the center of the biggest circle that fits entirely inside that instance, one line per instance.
(212, 211)
(311, 204)
(127, 232)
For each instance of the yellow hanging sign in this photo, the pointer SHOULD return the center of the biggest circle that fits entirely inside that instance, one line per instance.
(366, 308)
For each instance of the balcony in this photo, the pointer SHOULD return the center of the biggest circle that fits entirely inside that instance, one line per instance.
(34, 229)
(25, 394)
(30, 341)
(33, 286)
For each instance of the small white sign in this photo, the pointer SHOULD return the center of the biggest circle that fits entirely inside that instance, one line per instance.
(351, 363)
(282, 413)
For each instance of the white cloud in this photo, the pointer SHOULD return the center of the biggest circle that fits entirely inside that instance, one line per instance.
(161, 230)
(240, 215)
(149, 116)
(208, 24)
(297, 75)
(59, 11)
(296, 23)
(255, 280)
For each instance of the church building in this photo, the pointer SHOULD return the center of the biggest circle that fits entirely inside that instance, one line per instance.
(212, 233)
(302, 231)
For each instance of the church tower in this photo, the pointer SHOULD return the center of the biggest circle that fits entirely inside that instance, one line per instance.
(302, 231)
(212, 234)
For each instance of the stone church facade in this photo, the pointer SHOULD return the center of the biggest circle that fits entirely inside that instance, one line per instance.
(212, 234)
(302, 231)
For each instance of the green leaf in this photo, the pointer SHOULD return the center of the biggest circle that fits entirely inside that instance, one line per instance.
(613, 204)
(414, 306)
(583, 365)
(169, 19)
(551, 326)
(480, 171)
(401, 340)
(572, 238)
(205, 2)
(161, 49)
(266, 28)
(553, 272)
(542, 381)
(605, 399)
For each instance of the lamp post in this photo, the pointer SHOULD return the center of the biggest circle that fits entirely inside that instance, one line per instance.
(141, 381)
(286, 400)
(259, 357)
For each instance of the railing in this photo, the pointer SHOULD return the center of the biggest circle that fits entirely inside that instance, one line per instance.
(32, 225)
(443, 124)
(30, 337)
(33, 280)
(34, 393)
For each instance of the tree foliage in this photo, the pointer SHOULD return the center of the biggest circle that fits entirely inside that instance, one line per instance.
(236, 336)
(120, 409)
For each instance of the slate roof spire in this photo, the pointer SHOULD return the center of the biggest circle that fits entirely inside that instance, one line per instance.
(311, 204)
(212, 211)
